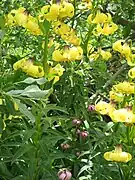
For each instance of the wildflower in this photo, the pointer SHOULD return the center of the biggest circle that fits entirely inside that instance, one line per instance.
(117, 46)
(124, 87)
(10, 19)
(17, 17)
(118, 155)
(93, 56)
(61, 28)
(104, 108)
(116, 96)
(123, 115)
(124, 49)
(88, 3)
(66, 10)
(55, 73)
(105, 54)
(58, 56)
(32, 26)
(21, 17)
(53, 12)
(107, 29)
(131, 73)
(28, 67)
(75, 53)
(19, 64)
(131, 57)
(68, 54)
(67, 34)
(101, 18)
(34, 71)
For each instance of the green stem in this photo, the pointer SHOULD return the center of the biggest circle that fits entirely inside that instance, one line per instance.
(134, 100)
(87, 40)
(128, 134)
(114, 76)
(45, 65)
(37, 143)
(120, 172)
(74, 3)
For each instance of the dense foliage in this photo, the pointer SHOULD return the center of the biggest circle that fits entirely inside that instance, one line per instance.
(67, 90)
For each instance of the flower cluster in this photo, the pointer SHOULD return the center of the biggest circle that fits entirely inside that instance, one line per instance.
(68, 54)
(117, 93)
(120, 109)
(126, 51)
(104, 23)
(20, 17)
(56, 11)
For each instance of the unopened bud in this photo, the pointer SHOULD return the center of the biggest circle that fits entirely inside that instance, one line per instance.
(91, 108)
(64, 175)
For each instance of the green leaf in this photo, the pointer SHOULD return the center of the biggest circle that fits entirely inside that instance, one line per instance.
(41, 81)
(108, 126)
(21, 177)
(1, 125)
(85, 168)
(28, 80)
(28, 134)
(33, 91)
(9, 103)
(21, 151)
(54, 107)
(4, 171)
(2, 21)
(46, 25)
(31, 80)
(24, 110)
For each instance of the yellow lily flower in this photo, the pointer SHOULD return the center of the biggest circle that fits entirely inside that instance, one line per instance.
(28, 67)
(107, 29)
(118, 155)
(105, 54)
(123, 49)
(102, 18)
(131, 73)
(21, 17)
(55, 73)
(104, 108)
(123, 115)
(115, 96)
(68, 54)
(53, 12)
(124, 87)
(117, 46)
(66, 10)
(32, 26)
